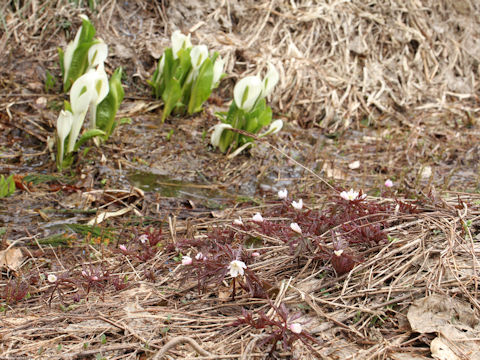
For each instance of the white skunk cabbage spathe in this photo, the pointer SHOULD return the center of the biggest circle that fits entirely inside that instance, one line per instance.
(274, 128)
(217, 133)
(217, 71)
(68, 56)
(100, 83)
(270, 80)
(198, 54)
(97, 54)
(179, 42)
(64, 125)
(247, 91)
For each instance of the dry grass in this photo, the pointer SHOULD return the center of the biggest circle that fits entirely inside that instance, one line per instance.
(393, 83)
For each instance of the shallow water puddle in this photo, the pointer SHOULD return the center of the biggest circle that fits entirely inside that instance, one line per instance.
(168, 187)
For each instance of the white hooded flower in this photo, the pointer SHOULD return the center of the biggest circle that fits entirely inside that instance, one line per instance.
(69, 51)
(236, 268)
(81, 94)
(217, 71)
(295, 227)
(97, 54)
(297, 204)
(198, 55)
(274, 128)
(270, 80)
(282, 194)
(217, 133)
(247, 91)
(179, 42)
(64, 126)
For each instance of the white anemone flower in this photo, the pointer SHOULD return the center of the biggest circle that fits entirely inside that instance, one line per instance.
(270, 80)
(64, 126)
(257, 217)
(143, 238)
(217, 71)
(198, 55)
(97, 54)
(274, 128)
(186, 260)
(236, 268)
(295, 227)
(297, 204)
(179, 42)
(282, 194)
(352, 195)
(238, 222)
(296, 328)
(217, 133)
(247, 91)
(52, 278)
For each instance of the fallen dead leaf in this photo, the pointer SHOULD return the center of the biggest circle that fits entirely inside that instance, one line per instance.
(11, 258)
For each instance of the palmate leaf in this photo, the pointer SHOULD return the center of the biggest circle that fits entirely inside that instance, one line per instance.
(107, 109)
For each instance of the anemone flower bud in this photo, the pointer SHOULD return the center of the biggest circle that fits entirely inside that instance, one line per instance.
(282, 194)
(123, 248)
(296, 328)
(179, 42)
(217, 70)
(236, 268)
(388, 183)
(295, 227)
(199, 256)
(198, 54)
(247, 91)
(298, 205)
(186, 260)
(270, 80)
(97, 54)
(217, 133)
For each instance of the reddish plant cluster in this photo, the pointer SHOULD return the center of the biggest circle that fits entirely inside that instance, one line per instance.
(211, 263)
(82, 283)
(144, 246)
(280, 328)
